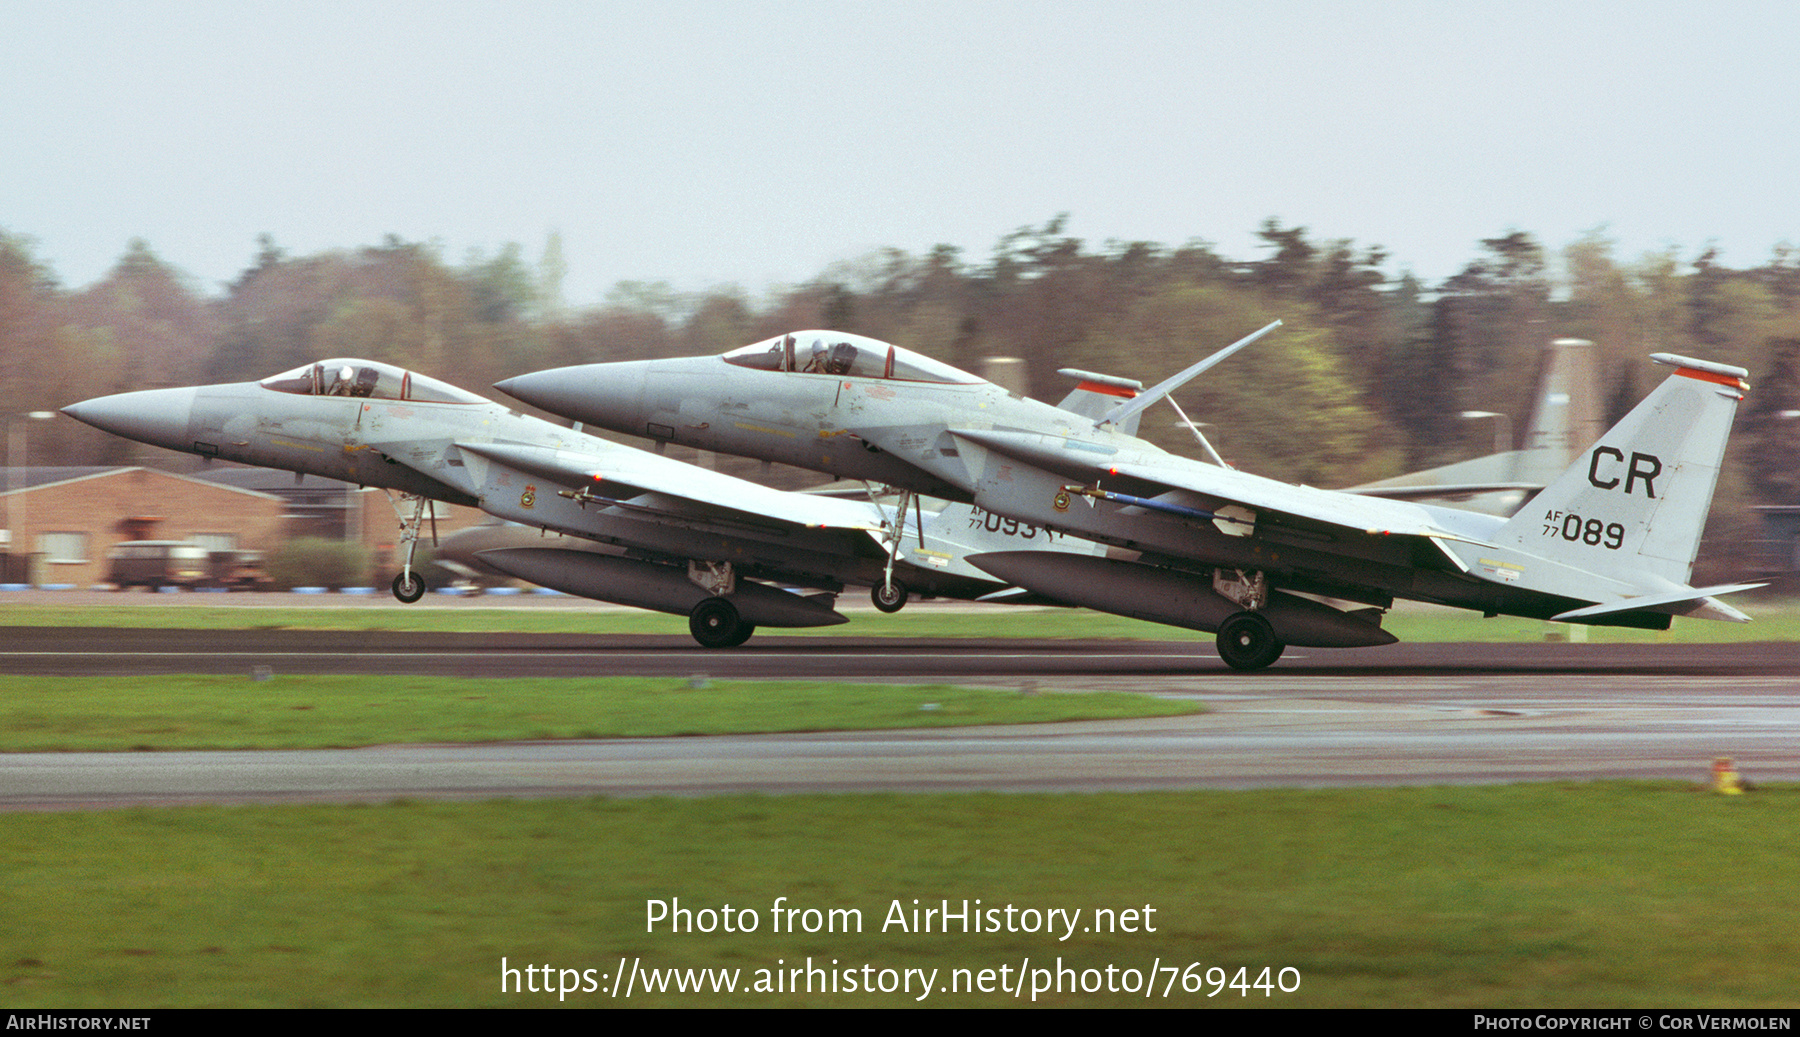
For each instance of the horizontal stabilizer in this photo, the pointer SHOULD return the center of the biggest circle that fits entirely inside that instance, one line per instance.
(1006, 596)
(1441, 490)
(1698, 602)
(1019, 596)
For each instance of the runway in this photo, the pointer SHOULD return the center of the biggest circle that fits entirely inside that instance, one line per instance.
(126, 652)
(1401, 714)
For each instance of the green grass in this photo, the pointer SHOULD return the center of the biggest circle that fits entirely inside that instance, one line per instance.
(1629, 895)
(995, 621)
(1625, 895)
(191, 712)
(1774, 621)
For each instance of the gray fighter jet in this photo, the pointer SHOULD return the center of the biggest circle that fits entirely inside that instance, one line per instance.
(1565, 418)
(671, 537)
(1263, 564)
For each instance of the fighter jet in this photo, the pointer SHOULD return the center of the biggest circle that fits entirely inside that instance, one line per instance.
(672, 537)
(1260, 563)
(1565, 417)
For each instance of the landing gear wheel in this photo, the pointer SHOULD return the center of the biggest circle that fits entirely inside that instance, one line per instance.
(889, 597)
(1248, 642)
(715, 623)
(408, 587)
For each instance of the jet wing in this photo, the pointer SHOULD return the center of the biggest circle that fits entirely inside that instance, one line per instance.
(644, 481)
(1266, 499)
(1251, 494)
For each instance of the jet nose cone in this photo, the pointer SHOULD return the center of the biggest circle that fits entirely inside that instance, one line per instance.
(607, 395)
(155, 416)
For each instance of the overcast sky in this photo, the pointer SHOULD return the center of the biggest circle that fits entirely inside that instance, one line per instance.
(757, 143)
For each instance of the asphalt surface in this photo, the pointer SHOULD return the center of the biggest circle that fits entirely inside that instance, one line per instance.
(1400, 714)
(125, 652)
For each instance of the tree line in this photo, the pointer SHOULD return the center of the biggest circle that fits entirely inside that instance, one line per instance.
(1367, 378)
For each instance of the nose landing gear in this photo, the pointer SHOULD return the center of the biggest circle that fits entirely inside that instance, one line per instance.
(409, 586)
(890, 596)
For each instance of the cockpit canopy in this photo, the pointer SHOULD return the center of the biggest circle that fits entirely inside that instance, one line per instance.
(845, 355)
(367, 379)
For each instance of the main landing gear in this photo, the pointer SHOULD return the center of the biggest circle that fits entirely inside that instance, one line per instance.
(715, 623)
(1247, 642)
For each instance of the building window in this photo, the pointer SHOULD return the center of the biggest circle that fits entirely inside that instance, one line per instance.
(215, 541)
(63, 547)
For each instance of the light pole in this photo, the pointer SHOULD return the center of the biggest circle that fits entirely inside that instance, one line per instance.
(16, 458)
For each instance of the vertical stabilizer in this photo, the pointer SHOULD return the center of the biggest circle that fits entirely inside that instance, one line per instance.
(1096, 395)
(1565, 412)
(1564, 418)
(1632, 507)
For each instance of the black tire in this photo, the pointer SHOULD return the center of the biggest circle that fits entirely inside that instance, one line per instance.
(409, 592)
(715, 623)
(1247, 642)
(890, 597)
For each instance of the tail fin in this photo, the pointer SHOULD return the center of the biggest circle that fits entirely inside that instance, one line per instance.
(1096, 395)
(1565, 416)
(1565, 412)
(1633, 506)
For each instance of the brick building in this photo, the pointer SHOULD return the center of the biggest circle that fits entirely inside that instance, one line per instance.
(334, 510)
(61, 522)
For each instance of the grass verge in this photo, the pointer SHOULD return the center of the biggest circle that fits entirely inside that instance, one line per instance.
(196, 712)
(1620, 895)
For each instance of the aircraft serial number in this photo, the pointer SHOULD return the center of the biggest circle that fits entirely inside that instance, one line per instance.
(1577, 530)
(995, 524)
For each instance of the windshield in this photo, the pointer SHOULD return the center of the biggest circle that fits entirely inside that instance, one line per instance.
(367, 379)
(844, 355)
